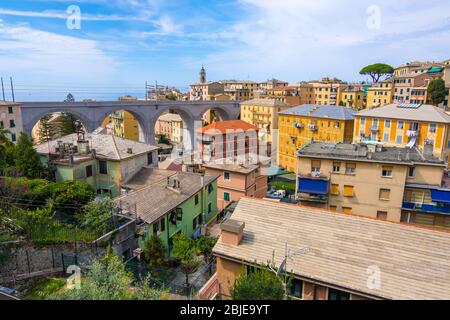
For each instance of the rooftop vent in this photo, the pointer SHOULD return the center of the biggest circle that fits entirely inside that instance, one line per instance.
(130, 150)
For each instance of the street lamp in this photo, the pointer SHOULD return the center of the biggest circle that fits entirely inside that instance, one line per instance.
(288, 254)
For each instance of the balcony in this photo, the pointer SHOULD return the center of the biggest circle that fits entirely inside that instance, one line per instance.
(314, 189)
(298, 125)
(313, 127)
(422, 207)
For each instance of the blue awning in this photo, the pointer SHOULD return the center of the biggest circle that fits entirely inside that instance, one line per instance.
(313, 186)
(439, 195)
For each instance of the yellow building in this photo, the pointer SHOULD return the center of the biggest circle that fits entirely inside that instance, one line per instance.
(263, 113)
(124, 125)
(300, 125)
(325, 92)
(368, 179)
(352, 97)
(400, 125)
(380, 94)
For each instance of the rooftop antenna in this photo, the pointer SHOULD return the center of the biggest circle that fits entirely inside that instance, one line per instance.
(12, 90)
(3, 90)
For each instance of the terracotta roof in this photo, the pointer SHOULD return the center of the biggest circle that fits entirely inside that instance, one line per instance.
(414, 263)
(225, 126)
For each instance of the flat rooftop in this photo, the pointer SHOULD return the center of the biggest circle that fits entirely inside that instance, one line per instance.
(360, 152)
(414, 262)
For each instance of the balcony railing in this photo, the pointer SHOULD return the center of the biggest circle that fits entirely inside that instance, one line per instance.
(426, 207)
(412, 133)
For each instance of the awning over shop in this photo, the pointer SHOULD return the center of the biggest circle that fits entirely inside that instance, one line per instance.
(440, 195)
(313, 186)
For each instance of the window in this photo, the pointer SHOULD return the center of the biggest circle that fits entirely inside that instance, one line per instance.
(103, 167)
(338, 124)
(196, 199)
(210, 188)
(363, 121)
(432, 127)
(10, 110)
(385, 194)
(387, 171)
(315, 166)
(382, 215)
(296, 288)
(350, 168)
(1, 125)
(337, 295)
(149, 158)
(333, 208)
(88, 171)
(347, 210)
(209, 208)
(375, 124)
(226, 196)
(12, 124)
(348, 191)
(386, 137)
(400, 125)
(411, 172)
(387, 123)
(13, 137)
(335, 189)
(399, 139)
(226, 175)
(336, 166)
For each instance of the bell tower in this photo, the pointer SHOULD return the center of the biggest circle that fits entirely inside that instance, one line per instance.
(202, 75)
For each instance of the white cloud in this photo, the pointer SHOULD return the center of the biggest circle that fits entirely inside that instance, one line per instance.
(28, 51)
(303, 39)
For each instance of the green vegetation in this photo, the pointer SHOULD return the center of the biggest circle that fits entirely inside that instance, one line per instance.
(154, 251)
(261, 284)
(281, 185)
(205, 246)
(186, 252)
(20, 159)
(377, 71)
(437, 91)
(45, 288)
(47, 129)
(107, 279)
(162, 138)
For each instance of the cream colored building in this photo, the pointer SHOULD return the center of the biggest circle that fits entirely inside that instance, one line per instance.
(205, 90)
(363, 179)
(324, 92)
(11, 119)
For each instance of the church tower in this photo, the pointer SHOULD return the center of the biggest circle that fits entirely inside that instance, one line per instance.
(202, 75)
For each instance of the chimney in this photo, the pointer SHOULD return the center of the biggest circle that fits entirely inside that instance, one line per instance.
(232, 231)
(428, 149)
(130, 150)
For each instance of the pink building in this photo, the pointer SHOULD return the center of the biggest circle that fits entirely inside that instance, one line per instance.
(236, 181)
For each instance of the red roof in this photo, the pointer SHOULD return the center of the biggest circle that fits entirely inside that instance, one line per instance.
(224, 126)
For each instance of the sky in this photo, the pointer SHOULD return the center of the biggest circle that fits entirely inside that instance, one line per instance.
(118, 45)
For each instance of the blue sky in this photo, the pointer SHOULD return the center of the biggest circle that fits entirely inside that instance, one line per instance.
(123, 43)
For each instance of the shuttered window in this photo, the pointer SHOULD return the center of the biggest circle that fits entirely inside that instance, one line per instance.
(382, 215)
(348, 191)
(385, 194)
(350, 168)
(387, 171)
(335, 189)
(315, 165)
(346, 210)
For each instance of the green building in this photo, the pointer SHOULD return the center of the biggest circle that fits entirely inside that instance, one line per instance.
(169, 202)
(104, 161)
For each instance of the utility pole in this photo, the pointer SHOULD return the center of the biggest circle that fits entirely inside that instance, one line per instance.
(3, 90)
(12, 90)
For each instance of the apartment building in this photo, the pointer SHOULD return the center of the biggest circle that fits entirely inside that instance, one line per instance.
(289, 95)
(205, 90)
(11, 119)
(101, 160)
(342, 252)
(236, 180)
(124, 125)
(399, 125)
(169, 203)
(272, 83)
(232, 139)
(239, 90)
(324, 92)
(353, 96)
(263, 113)
(416, 67)
(300, 125)
(380, 94)
(170, 125)
(364, 179)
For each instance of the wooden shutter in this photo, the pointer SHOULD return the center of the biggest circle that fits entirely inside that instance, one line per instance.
(315, 163)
